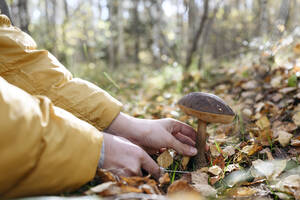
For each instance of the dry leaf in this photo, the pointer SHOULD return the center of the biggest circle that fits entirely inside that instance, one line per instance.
(263, 123)
(200, 183)
(105, 189)
(228, 151)
(214, 179)
(215, 170)
(284, 138)
(165, 159)
(270, 169)
(220, 161)
(296, 118)
(165, 179)
(180, 186)
(185, 161)
(214, 150)
(290, 185)
(296, 49)
(287, 90)
(106, 176)
(295, 141)
(232, 167)
(186, 196)
(241, 192)
(251, 149)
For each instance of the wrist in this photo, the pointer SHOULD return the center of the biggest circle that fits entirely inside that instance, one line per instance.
(121, 125)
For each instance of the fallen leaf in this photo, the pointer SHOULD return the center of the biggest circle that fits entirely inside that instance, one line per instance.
(296, 49)
(290, 185)
(214, 179)
(228, 151)
(284, 138)
(295, 141)
(237, 177)
(220, 161)
(105, 189)
(287, 90)
(232, 167)
(200, 183)
(214, 150)
(165, 159)
(215, 170)
(263, 123)
(180, 186)
(250, 85)
(241, 192)
(296, 118)
(184, 162)
(268, 152)
(247, 112)
(251, 149)
(185, 196)
(105, 176)
(165, 179)
(270, 169)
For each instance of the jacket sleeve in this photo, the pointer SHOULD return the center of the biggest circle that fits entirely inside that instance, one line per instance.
(39, 73)
(43, 149)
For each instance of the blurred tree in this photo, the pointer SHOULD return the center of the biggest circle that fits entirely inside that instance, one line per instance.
(4, 9)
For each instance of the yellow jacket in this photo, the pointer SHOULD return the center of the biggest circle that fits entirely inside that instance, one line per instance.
(44, 149)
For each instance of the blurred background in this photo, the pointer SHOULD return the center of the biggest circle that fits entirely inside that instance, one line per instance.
(124, 44)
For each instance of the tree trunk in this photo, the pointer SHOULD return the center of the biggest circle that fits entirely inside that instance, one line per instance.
(121, 48)
(23, 15)
(113, 11)
(4, 9)
(194, 45)
(137, 31)
(206, 34)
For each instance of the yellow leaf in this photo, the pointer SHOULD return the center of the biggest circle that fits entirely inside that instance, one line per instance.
(263, 123)
(165, 159)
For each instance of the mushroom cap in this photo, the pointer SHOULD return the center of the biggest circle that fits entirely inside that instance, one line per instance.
(206, 107)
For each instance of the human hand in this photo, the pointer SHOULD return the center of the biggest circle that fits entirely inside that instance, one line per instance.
(124, 158)
(153, 135)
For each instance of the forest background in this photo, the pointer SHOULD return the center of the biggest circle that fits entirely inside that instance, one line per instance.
(149, 53)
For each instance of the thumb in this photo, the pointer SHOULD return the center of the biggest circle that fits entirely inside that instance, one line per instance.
(181, 148)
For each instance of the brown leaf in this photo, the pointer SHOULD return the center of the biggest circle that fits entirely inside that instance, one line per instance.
(215, 170)
(241, 192)
(214, 179)
(184, 162)
(200, 182)
(220, 161)
(251, 149)
(180, 186)
(295, 141)
(165, 179)
(296, 118)
(106, 176)
(284, 138)
(165, 159)
(290, 185)
(105, 189)
(263, 123)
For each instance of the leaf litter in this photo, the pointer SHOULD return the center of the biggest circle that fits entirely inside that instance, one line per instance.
(255, 156)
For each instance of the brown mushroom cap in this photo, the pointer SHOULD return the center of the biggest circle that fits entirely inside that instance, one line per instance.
(207, 107)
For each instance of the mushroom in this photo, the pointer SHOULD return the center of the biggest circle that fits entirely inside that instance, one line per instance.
(207, 108)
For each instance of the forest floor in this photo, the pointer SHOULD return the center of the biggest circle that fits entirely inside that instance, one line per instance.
(256, 156)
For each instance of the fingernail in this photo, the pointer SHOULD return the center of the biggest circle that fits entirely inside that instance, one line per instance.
(193, 151)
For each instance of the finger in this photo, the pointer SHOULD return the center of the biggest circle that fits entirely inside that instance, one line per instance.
(184, 139)
(150, 166)
(181, 148)
(184, 129)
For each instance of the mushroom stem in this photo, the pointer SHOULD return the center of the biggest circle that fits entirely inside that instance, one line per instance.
(200, 158)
